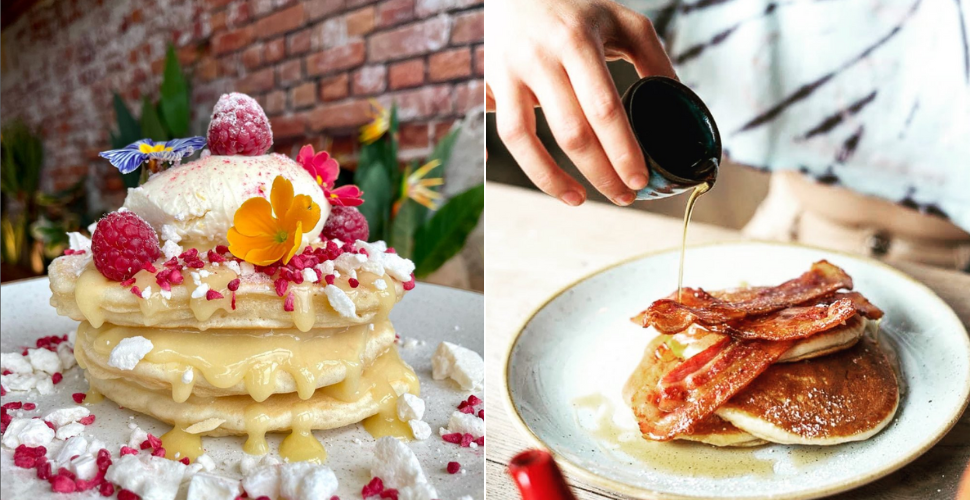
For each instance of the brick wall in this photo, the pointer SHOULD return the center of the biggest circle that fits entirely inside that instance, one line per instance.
(313, 65)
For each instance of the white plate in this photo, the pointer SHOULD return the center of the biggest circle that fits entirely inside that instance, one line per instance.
(429, 313)
(581, 345)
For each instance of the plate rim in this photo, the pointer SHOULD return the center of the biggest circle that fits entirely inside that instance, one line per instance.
(635, 491)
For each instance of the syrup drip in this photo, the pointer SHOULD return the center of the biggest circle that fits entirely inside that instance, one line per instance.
(698, 191)
(301, 445)
(177, 441)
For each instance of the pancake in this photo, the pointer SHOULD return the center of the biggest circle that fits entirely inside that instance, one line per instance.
(258, 363)
(847, 396)
(831, 341)
(257, 303)
(328, 408)
(712, 430)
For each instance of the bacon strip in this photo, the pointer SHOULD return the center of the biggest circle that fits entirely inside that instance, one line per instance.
(792, 323)
(673, 407)
(861, 304)
(669, 316)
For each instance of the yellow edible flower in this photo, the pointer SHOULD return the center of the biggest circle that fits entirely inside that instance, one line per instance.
(262, 238)
(378, 126)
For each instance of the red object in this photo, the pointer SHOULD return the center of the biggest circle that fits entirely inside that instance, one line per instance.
(123, 244)
(79, 397)
(453, 467)
(213, 295)
(538, 477)
(346, 224)
(373, 488)
(239, 127)
(57, 377)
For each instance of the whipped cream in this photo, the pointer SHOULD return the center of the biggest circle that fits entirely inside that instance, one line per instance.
(199, 199)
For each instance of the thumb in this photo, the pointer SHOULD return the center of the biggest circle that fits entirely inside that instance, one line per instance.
(636, 40)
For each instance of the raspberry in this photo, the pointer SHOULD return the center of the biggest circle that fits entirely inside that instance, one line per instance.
(346, 224)
(239, 127)
(453, 467)
(123, 244)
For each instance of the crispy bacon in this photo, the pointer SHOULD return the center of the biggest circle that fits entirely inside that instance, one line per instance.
(672, 407)
(791, 323)
(669, 316)
(861, 304)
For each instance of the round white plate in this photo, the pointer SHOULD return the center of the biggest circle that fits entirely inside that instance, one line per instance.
(580, 347)
(430, 314)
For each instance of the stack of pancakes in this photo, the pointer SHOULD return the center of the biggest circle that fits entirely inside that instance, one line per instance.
(798, 363)
(241, 363)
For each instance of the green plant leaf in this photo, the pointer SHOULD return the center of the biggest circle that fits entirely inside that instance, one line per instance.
(411, 215)
(151, 126)
(444, 235)
(129, 130)
(377, 198)
(174, 101)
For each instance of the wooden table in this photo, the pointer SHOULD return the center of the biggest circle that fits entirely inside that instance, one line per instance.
(537, 245)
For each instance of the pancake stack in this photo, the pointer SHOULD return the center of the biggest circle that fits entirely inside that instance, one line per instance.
(798, 363)
(236, 349)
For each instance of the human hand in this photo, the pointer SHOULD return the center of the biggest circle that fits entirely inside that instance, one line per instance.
(553, 53)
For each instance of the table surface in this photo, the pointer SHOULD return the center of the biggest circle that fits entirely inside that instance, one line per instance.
(537, 246)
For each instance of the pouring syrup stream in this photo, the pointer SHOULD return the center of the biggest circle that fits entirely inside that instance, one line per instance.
(699, 190)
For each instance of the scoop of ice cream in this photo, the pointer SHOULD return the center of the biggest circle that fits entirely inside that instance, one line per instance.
(197, 201)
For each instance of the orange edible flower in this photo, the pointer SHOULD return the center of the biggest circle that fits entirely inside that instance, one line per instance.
(262, 238)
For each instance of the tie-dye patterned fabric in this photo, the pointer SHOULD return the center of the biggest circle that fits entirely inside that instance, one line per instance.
(873, 95)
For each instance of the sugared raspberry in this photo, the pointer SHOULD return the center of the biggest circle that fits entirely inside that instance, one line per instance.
(239, 127)
(123, 244)
(346, 224)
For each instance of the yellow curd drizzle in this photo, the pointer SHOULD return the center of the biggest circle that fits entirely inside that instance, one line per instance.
(301, 445)
(389, 367)
(179, 444)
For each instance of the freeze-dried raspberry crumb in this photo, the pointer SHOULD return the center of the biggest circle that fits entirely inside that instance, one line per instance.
(373, 488)
(63, 484)
(153, 441)
(239, 127)
(213, 295)
(233, 302)
(288, 305)
(453, 467)
(481, 414)
(79, 397)
(185, 460)
(56, 378)
(233, 285)
(104, 459)
(125, 450)
(480, 441)
(50, 425)
(467, 439)
(136, 291)
(107, 489)
(128, 282)
(123, 244)
(88, 420)
(215, 257)
(13, 405)
(353, 283)
(160, 452)
(389, 493)
(329, 279)
(346, 224)
(30, 406)
(454, 437)
(474, 400)
(409, 285)
(281, 284)
(124, 494)
(44, 471)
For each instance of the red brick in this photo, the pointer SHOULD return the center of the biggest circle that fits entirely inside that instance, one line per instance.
(480, 60)
(357, 3)
(280, 22)
(336, 59)
(207, 69)
(316, 9)
(370, 80)
(158, 65)
(413, 39)
(413, 135)
(340, 115)
(275, 102)
(469, 27)
(298, 42)
(275, 49)
(217, 21)
(449, 65)
(188, 55)
(231, 41)
(393, 12)
(469, 95)
(216, 4)
(259, 81)
(335, 88)
(290, 71)
(303, 95)
(420, 103)
(342, 147)
(360, 22)
(288, 126)
(406, 74)
(238, 14)
(441, 129)
(253, 56)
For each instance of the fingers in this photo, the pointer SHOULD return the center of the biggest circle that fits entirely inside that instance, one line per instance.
(602, 107)
(637, 40)
(515, 121)
(574, 134)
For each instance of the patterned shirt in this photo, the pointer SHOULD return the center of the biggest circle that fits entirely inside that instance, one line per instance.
(873, 95)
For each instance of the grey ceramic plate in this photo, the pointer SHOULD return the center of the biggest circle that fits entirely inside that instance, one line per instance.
(430, 313)
(566, 368)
